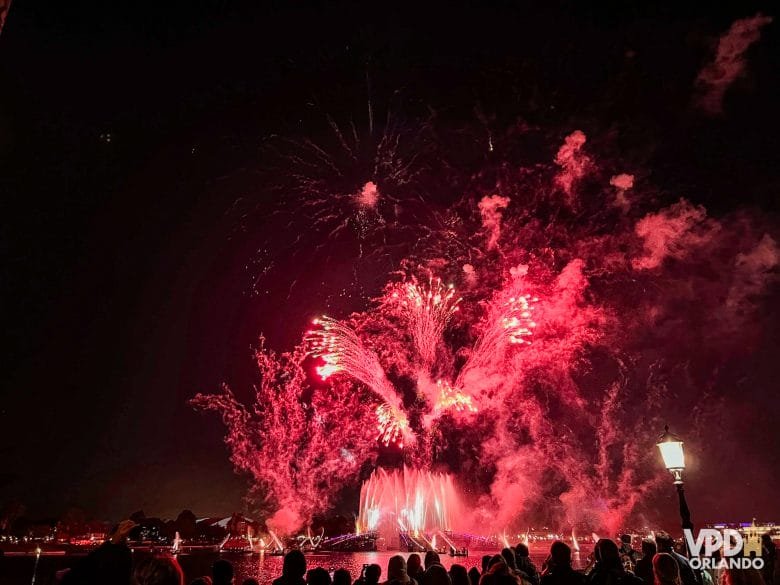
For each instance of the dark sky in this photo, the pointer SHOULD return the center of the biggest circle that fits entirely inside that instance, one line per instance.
(124, 288)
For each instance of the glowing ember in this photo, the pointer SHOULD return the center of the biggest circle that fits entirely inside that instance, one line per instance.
(392, 425)
(517, 321)
(449, 397)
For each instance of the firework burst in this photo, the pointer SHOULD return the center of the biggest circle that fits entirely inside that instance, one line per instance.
(575, 321)
(426, 309)
(343, 352)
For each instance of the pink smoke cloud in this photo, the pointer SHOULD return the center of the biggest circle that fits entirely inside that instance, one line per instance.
(490, 208)
(368, 196)
(573, 162)
(729, 62)
(672, 233)
(623, 183)
(469, 274)
(753, 271)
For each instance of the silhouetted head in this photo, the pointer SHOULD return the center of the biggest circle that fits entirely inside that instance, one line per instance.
(111, 564)
(486, 563)
(431, 558)
(396, 569)
(666, 571)
(664, 542)
(521, 550)
(250, 581)
(487, 579)
(436, 575)
(318, 576)
(373, 573)
(741, 577)
(509, 558)
(607, 553)
(222, 572)
(414, 565)
(649, 548)
(560, 554)
(459, 575)
(294, 565)
(474, 576)
(158, 571)
(342, 577)
(625, 539)
(201, 581)
(494, 561)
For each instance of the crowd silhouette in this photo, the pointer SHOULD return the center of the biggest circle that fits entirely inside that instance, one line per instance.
(657, 562)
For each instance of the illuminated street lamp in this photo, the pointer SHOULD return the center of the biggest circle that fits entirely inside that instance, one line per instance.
(671, 448)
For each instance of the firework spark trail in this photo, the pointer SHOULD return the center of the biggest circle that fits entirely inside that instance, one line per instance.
(343, 352)
(427, 310)
(509, 321)
(281, 428)
(347, 182)
(392, 425)
(450, 397)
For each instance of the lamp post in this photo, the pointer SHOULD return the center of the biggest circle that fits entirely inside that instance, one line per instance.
(671, 448)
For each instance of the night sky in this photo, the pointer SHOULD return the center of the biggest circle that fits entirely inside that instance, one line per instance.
(128, 132)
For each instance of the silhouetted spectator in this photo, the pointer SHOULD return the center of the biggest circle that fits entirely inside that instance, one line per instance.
(558, 570)
(524, 563)
(342, 577)
(742, 577)
(502, 577)
(665, 544)
(396, 570)
(486, 563)
(644, 566)
(371, 575)
(201, 581)
(435, 574)
(498, 566)
(665, 570)
(250, 581)
(293, 569)
(459, 575)
(431, 558)
(222, 572)
(609, 569)
(414, 567)
(158, 571)
(112, 562)
(627, 553)
(509, 558)
(474, 576)
(318, 576)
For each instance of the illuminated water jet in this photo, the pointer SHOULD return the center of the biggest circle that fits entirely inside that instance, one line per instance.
(409, 500)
